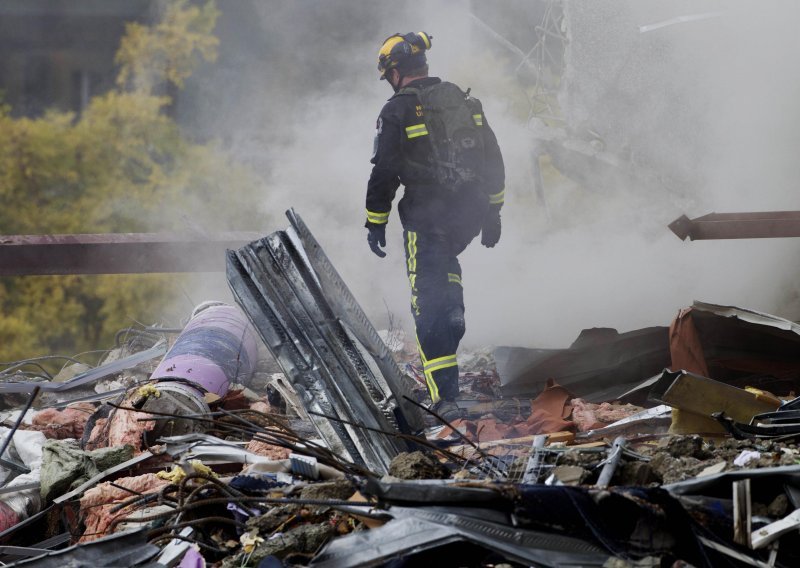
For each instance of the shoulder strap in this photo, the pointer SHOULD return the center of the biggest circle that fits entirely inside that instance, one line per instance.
(407, 91)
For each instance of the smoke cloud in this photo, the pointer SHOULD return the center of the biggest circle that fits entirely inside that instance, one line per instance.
(705, 106)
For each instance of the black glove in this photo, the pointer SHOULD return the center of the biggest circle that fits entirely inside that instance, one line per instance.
(490, 233)
(376, 238)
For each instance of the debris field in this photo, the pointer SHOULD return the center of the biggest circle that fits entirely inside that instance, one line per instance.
(285, 430)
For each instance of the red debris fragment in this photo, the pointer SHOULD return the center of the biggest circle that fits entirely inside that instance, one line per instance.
(488, 430)
(549, 410)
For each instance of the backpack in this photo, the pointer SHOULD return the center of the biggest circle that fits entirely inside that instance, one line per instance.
(453, 120)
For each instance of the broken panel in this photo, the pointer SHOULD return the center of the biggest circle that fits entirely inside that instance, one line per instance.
(391, 379)
(275, 285)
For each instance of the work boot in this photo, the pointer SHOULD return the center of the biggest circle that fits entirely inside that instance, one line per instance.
(448, 410)
(458, 325)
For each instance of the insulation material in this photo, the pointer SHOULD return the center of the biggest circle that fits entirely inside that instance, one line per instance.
(127, 428)
(98, 438)
(261, 406)
(589, 416)
(97, 502)
(62, 424)
(268, 450)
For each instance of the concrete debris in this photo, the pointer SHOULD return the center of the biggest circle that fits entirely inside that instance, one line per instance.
(289, 434)
(417, 465)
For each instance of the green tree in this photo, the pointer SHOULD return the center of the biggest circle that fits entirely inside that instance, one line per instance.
(123, 165)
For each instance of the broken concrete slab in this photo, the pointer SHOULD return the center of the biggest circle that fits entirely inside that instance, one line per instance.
(417, 465)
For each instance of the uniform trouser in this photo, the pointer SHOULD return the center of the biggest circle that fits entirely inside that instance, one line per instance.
(437, 303)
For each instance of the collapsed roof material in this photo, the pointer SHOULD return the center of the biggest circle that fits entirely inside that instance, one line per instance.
(737, 346)
(350, 400)
(725, 343)
(600, 365)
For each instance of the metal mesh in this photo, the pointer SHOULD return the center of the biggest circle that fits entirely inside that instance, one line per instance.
(512, 463)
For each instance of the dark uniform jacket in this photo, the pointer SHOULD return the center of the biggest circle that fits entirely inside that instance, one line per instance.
(426, 206)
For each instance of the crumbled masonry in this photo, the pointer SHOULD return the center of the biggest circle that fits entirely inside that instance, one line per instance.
(301, 458)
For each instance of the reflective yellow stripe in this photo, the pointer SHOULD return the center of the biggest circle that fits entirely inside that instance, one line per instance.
(478, 118)
(454, 278)
(412, 252)
(411, 244)
(416, 130)
(377, 218)
(498, 198)
(433, 390)
(440, 363)
(431, 370)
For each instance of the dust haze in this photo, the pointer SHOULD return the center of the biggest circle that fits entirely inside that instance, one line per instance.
(707, 107)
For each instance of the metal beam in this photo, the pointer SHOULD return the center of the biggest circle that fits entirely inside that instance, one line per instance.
(117, 253)
(764, 225)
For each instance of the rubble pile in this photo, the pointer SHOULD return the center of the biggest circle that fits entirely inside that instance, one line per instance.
(287, 431)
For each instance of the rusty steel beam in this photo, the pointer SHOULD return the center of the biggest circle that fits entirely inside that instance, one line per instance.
(117, 253)
(765, 225)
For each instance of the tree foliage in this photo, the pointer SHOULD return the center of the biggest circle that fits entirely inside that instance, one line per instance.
(170, 50)
(122, 165)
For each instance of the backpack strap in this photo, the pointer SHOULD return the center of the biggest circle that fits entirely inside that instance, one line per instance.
(407, 91)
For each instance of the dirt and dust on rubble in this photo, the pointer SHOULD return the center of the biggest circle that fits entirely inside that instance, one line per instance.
(285, 430)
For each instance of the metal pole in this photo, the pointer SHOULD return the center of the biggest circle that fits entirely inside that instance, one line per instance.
(763, 225)
(614, 456)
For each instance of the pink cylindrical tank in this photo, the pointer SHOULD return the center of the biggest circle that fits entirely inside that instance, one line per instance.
(216, 348)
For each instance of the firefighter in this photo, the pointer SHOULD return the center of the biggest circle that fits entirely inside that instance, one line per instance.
(433, 138)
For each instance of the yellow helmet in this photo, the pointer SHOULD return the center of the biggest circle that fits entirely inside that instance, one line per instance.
(403, 51)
